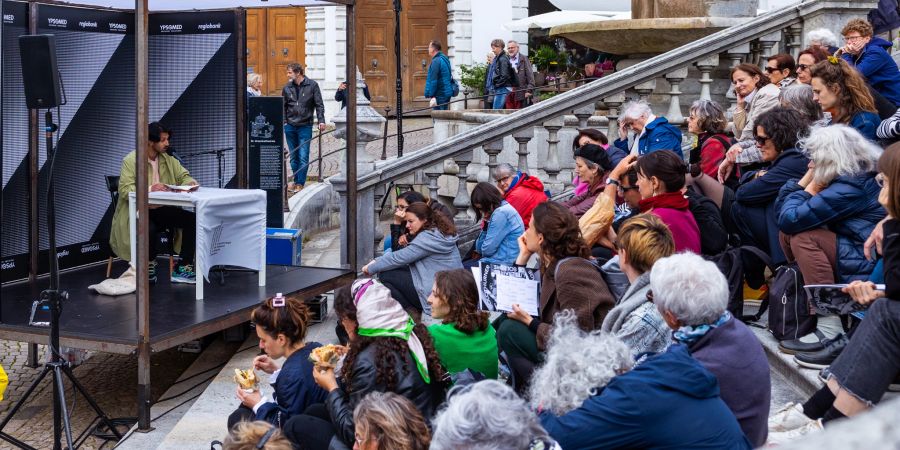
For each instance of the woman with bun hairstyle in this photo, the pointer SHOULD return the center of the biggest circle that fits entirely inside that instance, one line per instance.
(661, 177)
(281, 330)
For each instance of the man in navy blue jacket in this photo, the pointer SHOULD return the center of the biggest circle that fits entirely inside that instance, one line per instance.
(439, 83)
(653, 133)
(870, 56)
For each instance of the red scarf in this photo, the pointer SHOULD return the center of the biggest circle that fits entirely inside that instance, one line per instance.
(672, 200)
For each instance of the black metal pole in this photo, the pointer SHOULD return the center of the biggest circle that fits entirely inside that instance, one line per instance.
(398, 7)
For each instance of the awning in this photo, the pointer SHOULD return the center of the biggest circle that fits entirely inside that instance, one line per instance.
(552, 19)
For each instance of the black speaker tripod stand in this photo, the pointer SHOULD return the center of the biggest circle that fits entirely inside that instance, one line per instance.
(53, 298)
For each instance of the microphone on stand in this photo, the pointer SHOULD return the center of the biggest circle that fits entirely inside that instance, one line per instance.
(172, 153)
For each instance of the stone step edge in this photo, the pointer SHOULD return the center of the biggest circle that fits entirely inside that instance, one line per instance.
(805, 381)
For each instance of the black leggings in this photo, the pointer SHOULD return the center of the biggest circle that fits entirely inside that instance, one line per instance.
(311, 430)
(400, 283)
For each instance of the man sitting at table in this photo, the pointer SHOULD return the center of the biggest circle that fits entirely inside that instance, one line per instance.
(162, 170)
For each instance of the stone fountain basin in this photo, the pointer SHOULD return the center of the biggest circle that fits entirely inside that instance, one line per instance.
(642, 36)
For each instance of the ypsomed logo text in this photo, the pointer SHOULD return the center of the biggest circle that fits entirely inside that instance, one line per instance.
(170, 28)
(53, 22)
(118, 26)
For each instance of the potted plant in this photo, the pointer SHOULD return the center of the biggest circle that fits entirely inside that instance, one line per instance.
(473, 77)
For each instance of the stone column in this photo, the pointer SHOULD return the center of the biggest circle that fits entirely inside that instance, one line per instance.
(583, 114)
(794, 40)
(767, 43)
(552, 165)
(433, 184)
(613, 102)
(462, 200)
(675, 78)
(492, 149)
(522, 136)
(706, 66)
(645, 89)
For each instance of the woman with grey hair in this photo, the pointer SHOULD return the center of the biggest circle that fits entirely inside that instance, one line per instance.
(826, 216)
(652, 133)
(799, 97)
(707, 120)
(822, 38)
(692, 296)
(488, 415)
(389, 421)
(588, 397)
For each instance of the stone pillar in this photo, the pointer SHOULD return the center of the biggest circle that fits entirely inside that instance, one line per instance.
(462, 200)
(433, 184)
(613, 102)
(645, 89)
(492, 149)
(767, 43)
(552, 165)
(522, 136)
(379, 193)
(794, 39)
(706, 66)
(583, 114)
(675, 78)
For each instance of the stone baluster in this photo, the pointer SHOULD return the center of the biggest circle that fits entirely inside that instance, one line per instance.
(613, 102)
(462, 201)
(675, 78)
(706, 66)
(522, 136)
(433, 184)
(492, 149)
(552, 165)
(736, 55)
(645, 89)
(794, 40)
(379, 233)
(755, 52)
(767, 43)
(584, 113)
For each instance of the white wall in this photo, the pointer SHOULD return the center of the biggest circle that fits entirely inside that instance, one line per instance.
(488, 18)
(326, 45)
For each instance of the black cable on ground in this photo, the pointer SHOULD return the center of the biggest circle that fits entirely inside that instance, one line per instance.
(187, 390)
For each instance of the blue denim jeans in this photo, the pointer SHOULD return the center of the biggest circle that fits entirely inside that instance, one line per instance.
(500, 97)
(441, 104)
(298, 146)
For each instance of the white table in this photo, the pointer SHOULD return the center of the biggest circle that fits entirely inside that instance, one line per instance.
(235, 207)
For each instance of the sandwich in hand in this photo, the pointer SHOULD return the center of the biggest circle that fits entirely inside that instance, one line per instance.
(327, 356)
(246, 379)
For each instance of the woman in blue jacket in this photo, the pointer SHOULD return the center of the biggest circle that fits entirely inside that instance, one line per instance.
(871, 56)
(826, 217)
(841, 91)
(500, 231)
(753, 214)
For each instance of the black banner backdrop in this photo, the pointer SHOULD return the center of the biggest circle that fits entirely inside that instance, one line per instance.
(266, 168)
(192, 91)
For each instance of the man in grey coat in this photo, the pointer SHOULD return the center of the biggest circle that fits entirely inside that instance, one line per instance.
(522, 95)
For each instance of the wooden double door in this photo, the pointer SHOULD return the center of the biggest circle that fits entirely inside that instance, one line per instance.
(420, 22)
(275, 38)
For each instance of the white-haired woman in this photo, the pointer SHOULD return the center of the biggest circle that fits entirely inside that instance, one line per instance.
(254, 85)
(822, 38)
(692, 297)
(488, 415)
(652, 133)
(826, 217)
(588, 397)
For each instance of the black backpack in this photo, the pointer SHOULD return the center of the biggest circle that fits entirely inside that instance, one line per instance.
(731, 264)
(789, 312)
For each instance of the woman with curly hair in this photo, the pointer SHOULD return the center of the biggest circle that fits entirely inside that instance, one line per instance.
(388, 352)
(569, 281)
(464, 338)
(409, 272)
(841, 91)
(387, 421)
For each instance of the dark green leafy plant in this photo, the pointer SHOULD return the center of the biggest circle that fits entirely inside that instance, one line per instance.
(473, 77)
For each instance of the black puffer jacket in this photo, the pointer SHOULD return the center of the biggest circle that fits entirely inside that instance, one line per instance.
(504, 75)
(713, 235)
(301, 102)
(426, 397)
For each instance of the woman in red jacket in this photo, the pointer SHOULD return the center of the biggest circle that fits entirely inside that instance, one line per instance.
(707, 121)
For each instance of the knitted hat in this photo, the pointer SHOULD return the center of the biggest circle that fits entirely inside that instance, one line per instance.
(595, 154)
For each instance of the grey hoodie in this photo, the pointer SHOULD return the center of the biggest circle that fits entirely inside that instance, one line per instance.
(430, 252)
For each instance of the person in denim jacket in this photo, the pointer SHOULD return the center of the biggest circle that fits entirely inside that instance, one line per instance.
(501, 227)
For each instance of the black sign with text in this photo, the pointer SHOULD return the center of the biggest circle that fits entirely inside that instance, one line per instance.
(264, 123)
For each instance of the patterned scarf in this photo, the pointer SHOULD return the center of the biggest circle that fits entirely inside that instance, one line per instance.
(688, 335)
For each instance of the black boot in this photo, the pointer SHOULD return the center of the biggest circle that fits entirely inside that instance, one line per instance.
(823, 358)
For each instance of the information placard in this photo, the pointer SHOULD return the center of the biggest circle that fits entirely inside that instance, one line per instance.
(265, 128)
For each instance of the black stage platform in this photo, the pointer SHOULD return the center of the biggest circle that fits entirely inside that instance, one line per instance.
(98, 322)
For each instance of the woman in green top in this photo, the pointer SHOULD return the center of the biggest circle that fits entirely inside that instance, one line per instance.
(464, 339)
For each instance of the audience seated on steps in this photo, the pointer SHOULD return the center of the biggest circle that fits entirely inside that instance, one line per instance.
(465, 338)
(823, 40)
(387, 352)
(501, 227)
(826, 216)
(870, 55)
(651, 132)
(707, 120)
(692, 296)
(520, 190)
(661, 177)
(488, 415)
(862, 373)
(569, 281)
(387, 421)
(592, 164)
(256, 435)
(668, 401)
(841, 91)
(594, 136)
(753, 211)
(642, 240)
(755, 95)
(596, 222)
(409, 272)
(400, 236)
(282, 333)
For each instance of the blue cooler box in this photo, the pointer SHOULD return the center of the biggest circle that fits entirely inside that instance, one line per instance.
(283, 246)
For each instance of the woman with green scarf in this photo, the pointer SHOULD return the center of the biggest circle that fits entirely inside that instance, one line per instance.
(387, 352)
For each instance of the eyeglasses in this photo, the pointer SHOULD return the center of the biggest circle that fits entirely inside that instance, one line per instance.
(802, 67)
(400, 208)
(624, 189)
(771, 70)
(761, 140)
(879, 179)
(852, 38)
(501, 180)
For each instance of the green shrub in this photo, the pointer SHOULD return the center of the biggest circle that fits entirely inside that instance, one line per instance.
(473, 77)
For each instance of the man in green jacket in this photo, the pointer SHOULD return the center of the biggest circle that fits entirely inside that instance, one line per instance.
(162, 169)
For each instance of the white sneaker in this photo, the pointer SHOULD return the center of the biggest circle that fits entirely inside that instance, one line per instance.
(789, 417)
(781, 438)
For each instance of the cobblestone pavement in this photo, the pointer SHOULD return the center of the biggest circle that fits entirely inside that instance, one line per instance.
(110, 378)
(413, 140)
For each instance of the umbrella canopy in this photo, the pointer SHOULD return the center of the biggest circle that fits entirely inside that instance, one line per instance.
(556, 18)
(181, 5)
